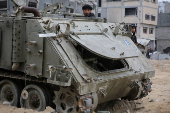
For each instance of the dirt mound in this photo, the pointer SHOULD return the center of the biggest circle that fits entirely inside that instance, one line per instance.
(11, 109)
(161, 65)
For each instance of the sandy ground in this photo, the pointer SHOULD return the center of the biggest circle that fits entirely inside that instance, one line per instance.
(160, 95)
(158, 101)
(11, 109)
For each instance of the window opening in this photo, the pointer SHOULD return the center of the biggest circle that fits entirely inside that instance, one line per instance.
(145, 30)
(100, 3)
(32, 3)
(3, 4)
(71, 10)
(150, 30)
(152, 18)
(99, 14)
(130, 11)
(147, 17)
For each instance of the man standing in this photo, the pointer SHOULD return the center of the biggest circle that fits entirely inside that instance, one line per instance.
(134, 39)
(87, 11)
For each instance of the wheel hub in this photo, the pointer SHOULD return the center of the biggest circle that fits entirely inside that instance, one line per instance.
(34, 101)
(69, 101)
(8, 95)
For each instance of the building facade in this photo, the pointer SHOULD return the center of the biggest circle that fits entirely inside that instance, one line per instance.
(163, 28)
(141, 13)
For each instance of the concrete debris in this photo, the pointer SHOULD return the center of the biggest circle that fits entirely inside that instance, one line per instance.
(50, 110)
(153, 100)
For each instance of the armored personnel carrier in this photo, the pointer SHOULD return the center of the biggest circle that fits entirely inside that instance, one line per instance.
(76, 65)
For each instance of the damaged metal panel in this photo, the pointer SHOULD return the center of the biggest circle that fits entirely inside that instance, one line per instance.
(108, 48)
(19, 40)
(34, 48)
(34, 55)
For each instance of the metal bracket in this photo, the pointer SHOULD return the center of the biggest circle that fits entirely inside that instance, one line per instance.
(67, 32)
(55, 71)
(116, 30)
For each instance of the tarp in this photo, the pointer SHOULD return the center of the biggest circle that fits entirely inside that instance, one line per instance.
(143, 42)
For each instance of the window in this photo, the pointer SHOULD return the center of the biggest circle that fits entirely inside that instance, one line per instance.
(152, 18)
(93, 7)
(100, 3)
(71, 10)
(154, 1)
(145, 30)
(99, 14)
(147, 17)
(150, 30)
(3, 4)
(32, 3)
(112, 0)
(130, 11)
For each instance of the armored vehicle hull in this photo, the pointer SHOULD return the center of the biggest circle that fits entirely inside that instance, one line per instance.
(71, 64)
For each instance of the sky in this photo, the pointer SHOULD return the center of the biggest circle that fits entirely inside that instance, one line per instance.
(163, 0)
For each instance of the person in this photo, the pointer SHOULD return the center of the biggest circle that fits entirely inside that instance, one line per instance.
(134, 39)
(150, 50)
(147, 54)
(87, 11)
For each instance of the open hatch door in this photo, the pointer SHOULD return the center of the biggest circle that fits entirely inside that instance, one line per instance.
(109, 48)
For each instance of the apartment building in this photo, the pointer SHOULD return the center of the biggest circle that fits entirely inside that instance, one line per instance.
(141, 13)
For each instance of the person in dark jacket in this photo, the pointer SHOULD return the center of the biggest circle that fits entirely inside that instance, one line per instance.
(134, 38)
(87, 11)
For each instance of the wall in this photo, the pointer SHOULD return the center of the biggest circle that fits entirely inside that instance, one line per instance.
(114, 15)
(163, 38)
(161, 7)
(167, 7)
(150, 11)
(148, 36)
(164, 19)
